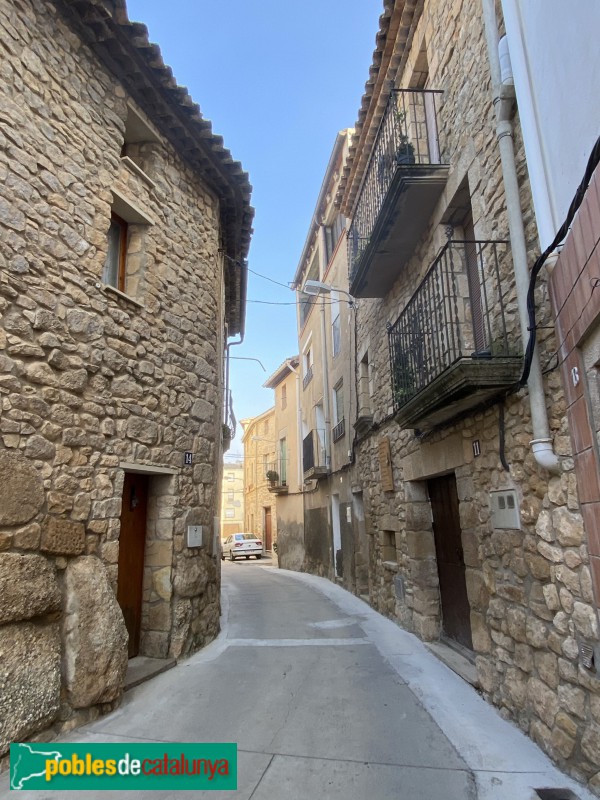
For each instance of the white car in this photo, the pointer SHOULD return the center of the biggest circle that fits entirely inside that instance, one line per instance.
(241, 544)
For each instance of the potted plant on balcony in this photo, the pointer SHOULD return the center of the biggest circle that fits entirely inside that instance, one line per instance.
(404, 378)
(272, 477)
(405, 150)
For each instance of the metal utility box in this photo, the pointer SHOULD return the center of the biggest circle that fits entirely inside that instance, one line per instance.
(505, 509)
(194, 536)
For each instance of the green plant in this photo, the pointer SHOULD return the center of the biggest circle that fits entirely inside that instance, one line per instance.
(405, 151)
(403, 378)
(272, 476)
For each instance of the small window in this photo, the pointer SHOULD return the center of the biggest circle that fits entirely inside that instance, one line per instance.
(332, 236)
(229, 513)
(116, 256)
(230, 497)
(338, 403)
(284, 396)
(230, 476)
(335, 324)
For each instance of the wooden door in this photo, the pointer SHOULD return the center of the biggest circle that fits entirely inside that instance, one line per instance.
(132, 541)
(456, 611)
(268, 531)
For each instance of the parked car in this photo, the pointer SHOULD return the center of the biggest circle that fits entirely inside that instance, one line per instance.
(241, 544)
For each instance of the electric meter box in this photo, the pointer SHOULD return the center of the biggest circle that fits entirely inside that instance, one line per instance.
(505, 510)
(194, 536)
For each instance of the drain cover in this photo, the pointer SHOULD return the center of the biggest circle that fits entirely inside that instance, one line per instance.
(556, 794)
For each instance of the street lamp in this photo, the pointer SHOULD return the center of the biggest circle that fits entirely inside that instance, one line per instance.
(317, 288)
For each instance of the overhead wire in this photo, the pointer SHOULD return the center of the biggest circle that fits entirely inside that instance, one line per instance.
(593, 162)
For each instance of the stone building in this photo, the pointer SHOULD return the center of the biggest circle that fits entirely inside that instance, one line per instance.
(232, 498)
(259, 459)
(473, 489)
(125, 224)
(286, 480)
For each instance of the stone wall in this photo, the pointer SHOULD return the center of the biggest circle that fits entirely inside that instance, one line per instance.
(529, 589)
(93, 382)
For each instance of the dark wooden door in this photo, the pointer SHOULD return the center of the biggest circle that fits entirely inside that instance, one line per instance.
(268, 532)
(132, 541)
(456, 612)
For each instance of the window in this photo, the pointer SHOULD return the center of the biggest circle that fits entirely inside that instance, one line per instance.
(332, 235)
(138, 144)
(307, 359)
(284, 396)
(230, 476)
(229, 513)
(230, 497)
(123, 268)
(307, 301)
(335, 323)
(338, 402)
(116, 256)
(338, 412)
(283, 460)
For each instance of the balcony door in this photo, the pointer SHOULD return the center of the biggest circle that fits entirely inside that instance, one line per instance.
(474, 279)
(283, 461)
(321, 455)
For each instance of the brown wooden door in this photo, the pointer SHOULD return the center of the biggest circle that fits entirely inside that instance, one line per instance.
(268, 533)
(132, 541)
(456, 612)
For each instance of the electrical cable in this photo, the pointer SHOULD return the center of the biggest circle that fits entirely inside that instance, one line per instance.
(266, 278)
(502, 436)
(274, 303)
(593, 162)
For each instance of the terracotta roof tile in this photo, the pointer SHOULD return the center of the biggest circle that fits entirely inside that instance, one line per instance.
(127, 52)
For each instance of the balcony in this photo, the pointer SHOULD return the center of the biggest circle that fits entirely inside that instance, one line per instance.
(403, 181)
(276, 475)
(450, 349)
(314, 455)
(339, 430)
(308, 375)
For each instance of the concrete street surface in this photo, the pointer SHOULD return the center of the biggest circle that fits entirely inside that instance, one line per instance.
(327, 700)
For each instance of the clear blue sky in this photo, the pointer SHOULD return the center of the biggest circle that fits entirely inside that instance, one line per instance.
(277, 80)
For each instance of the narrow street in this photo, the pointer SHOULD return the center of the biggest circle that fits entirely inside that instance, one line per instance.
(326, 699)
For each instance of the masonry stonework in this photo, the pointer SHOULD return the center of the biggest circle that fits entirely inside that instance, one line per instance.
(95, 382)
(530, 591)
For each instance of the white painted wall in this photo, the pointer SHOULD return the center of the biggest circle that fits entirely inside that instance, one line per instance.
(556, 64)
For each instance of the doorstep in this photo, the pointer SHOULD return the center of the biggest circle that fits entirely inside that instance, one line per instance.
(141, 668)
(456, 661)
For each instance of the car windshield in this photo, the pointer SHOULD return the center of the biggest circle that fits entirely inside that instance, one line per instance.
(249, 536)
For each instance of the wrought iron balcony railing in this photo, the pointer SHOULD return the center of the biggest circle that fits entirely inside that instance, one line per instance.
(307, 377)
(276, 475)
(339, 430)
(315, 460)
(406, 143)
(456, 315)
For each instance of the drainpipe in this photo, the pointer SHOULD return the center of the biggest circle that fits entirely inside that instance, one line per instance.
(326, 409)
(296, 371)
(503, 98)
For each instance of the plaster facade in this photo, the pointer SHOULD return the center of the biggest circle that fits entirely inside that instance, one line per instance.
(260, 448)
(232, 498)
(288, 486)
